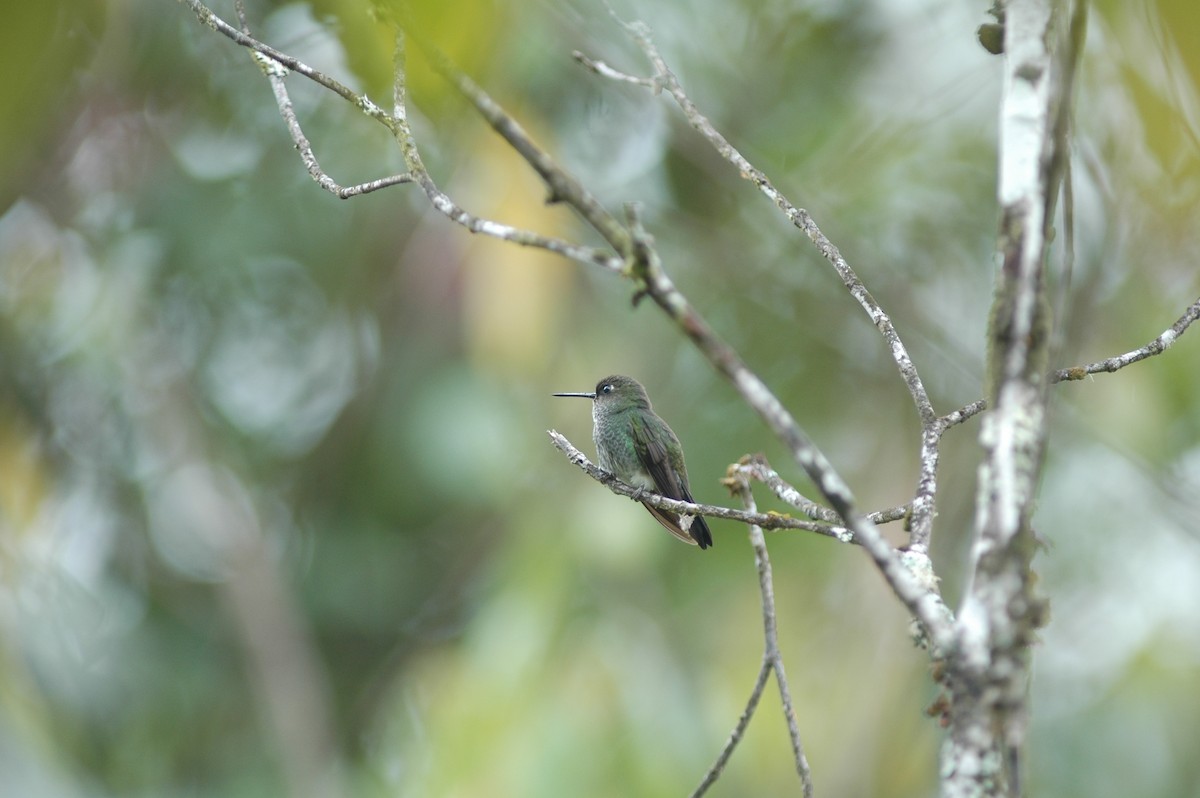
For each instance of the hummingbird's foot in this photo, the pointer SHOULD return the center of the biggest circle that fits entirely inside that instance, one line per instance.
(638, 492)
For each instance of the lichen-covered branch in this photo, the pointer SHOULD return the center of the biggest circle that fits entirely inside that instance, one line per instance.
(1118, 362)
(988, 674)
(756, 467)
(209, 18)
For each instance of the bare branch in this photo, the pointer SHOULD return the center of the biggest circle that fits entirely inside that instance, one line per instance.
(924, 499)
(771, 651)
(932, 435)
(276, 74)
(925, 496)
(209, 18)
(772, 662)
(563, 186)
(444, 204)
(964, 413)
(605, 71)
(1155, 347)
(756, 467)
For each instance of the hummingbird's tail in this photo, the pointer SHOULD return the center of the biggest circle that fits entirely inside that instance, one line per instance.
(698, 535)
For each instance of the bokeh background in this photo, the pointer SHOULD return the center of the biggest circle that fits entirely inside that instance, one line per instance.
(278, 513)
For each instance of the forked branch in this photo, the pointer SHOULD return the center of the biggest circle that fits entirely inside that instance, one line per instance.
(772, 660)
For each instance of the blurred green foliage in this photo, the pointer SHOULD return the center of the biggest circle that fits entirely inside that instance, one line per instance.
(255, 440)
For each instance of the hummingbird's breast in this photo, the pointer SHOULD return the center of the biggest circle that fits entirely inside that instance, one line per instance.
(615, 449)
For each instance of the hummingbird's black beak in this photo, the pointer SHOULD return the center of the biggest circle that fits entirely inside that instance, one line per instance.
(580, 395)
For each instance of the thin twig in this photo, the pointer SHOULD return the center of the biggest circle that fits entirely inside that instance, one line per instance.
(277, 73)
(604, 70)
(1155, 347)
(443, 203)
(1106, 366)
(964, 413)
(772, 659)
(920, 528)
(209, 18)
(919, 540)
(756, 467)
(563, 186)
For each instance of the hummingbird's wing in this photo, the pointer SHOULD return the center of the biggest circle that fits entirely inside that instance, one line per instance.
(656, 460)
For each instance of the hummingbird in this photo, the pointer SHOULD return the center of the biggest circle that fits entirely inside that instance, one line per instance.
(638, 448)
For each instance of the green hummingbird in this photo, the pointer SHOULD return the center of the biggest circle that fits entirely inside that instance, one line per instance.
(638, 447)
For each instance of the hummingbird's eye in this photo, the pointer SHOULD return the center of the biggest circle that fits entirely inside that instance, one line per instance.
(606, 389)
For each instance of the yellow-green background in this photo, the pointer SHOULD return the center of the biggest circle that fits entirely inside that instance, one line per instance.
(371, 383)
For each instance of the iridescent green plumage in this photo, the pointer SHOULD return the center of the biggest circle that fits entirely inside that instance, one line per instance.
(640, 449)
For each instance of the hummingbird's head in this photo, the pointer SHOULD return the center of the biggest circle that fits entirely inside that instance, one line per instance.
(617, 393)
(614, 394)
